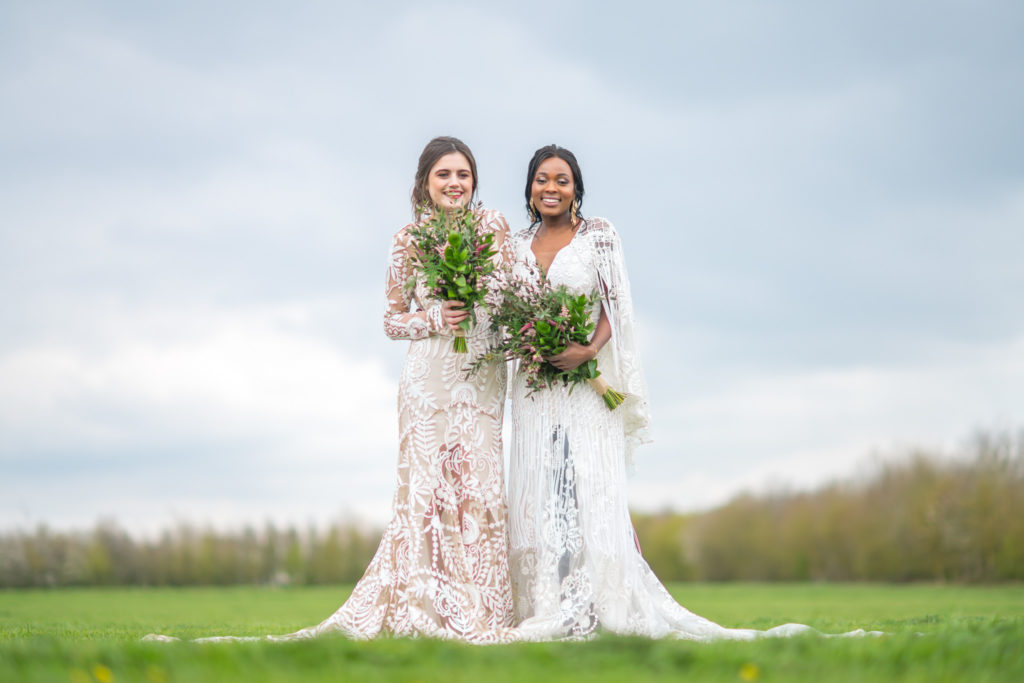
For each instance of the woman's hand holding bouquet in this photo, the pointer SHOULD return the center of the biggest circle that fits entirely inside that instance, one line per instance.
(454, 259)
(540, 321)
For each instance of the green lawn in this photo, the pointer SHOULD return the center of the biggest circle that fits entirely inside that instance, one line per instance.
(938, 633)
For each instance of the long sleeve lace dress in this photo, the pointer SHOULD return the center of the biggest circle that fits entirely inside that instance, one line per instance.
(575, 564)
(441, 569)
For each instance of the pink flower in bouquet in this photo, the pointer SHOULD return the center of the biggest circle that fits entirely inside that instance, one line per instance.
(539, 321)
(453, 256)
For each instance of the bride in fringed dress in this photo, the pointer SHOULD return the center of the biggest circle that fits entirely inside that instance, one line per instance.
(575, 563)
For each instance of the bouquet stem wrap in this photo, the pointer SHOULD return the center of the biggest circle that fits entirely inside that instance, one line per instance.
(459, 343)
(613, 399)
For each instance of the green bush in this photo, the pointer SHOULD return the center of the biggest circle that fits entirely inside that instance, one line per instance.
(920, 517)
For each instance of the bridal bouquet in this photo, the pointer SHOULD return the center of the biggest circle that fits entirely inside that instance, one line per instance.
(540, 320)
(454, 259)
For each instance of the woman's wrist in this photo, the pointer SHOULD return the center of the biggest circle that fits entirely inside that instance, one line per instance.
(435, 319)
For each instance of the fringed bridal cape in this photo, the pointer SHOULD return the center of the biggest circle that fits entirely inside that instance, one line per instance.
(575, 564)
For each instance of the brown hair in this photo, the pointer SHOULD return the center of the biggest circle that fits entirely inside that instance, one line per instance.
(434, 150)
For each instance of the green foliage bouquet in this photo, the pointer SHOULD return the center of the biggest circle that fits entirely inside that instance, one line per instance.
(454, 257)
(539, 321)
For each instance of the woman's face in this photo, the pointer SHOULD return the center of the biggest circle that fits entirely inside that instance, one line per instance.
(553, 188)
(450, 181)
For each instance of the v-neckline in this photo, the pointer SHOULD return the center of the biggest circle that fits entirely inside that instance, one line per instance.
(529, 247)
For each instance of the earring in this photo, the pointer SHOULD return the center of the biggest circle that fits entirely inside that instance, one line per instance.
(533, 211)
(572, 211)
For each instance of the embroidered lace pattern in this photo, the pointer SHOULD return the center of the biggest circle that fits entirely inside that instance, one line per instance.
(442, 566)
(575, 564)
(441, 569)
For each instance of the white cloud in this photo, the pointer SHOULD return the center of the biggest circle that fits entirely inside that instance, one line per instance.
(233, 399)
(246, 373)
(801, 428)
(196, 207)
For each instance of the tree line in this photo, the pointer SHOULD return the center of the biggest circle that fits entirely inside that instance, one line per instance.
(187, 555)
(921, 517)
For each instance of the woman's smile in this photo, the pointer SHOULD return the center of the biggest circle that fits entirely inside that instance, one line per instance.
(553, 189)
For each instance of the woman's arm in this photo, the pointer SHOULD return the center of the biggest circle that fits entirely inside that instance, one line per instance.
(400, 322)
(576, 355)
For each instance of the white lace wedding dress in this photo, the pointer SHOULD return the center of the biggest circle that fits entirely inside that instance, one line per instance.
(441, 569)
(575, 564)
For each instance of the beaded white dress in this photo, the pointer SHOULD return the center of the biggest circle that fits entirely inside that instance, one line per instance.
(575, 563)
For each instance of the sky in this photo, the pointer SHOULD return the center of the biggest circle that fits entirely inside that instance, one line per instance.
(821, 206)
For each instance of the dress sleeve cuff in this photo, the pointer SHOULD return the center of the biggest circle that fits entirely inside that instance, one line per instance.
(435, 322)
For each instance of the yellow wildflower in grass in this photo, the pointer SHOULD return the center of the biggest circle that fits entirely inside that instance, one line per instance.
(102, 674)
(750, 672)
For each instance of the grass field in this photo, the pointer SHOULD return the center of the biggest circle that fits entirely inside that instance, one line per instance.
(937, 633)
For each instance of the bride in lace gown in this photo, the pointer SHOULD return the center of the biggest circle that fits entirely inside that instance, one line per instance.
(576, 566)
(441, 569)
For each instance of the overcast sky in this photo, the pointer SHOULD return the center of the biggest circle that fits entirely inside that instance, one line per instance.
(822, 207)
